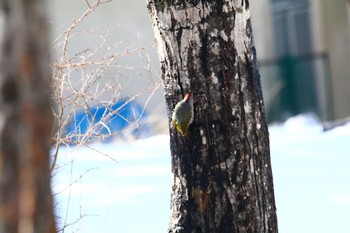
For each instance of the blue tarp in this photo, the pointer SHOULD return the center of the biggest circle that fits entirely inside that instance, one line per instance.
(106, 122)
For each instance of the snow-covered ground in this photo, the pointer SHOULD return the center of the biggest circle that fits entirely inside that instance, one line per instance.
(125, 187)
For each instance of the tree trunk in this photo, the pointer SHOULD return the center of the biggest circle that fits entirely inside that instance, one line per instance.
(222, 173)
(25, 119)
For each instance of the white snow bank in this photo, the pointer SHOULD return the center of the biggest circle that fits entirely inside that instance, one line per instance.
(311, 176)
(128, 183)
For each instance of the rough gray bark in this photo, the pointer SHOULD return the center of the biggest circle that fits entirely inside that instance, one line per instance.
(25, 119)
(222, 173)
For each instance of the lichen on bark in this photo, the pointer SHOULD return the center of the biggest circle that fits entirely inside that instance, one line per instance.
(222, 173)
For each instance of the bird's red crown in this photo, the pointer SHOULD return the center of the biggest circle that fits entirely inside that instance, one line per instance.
(187, 96)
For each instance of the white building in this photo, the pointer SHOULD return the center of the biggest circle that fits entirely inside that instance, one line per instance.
(303, 48)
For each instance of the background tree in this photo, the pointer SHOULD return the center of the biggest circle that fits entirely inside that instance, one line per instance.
(26, 120)
(222, 173)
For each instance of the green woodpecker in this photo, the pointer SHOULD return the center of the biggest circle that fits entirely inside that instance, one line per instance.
(183, 115)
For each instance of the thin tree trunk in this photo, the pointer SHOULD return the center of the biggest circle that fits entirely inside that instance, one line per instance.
(222, 173)
(25, 119)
